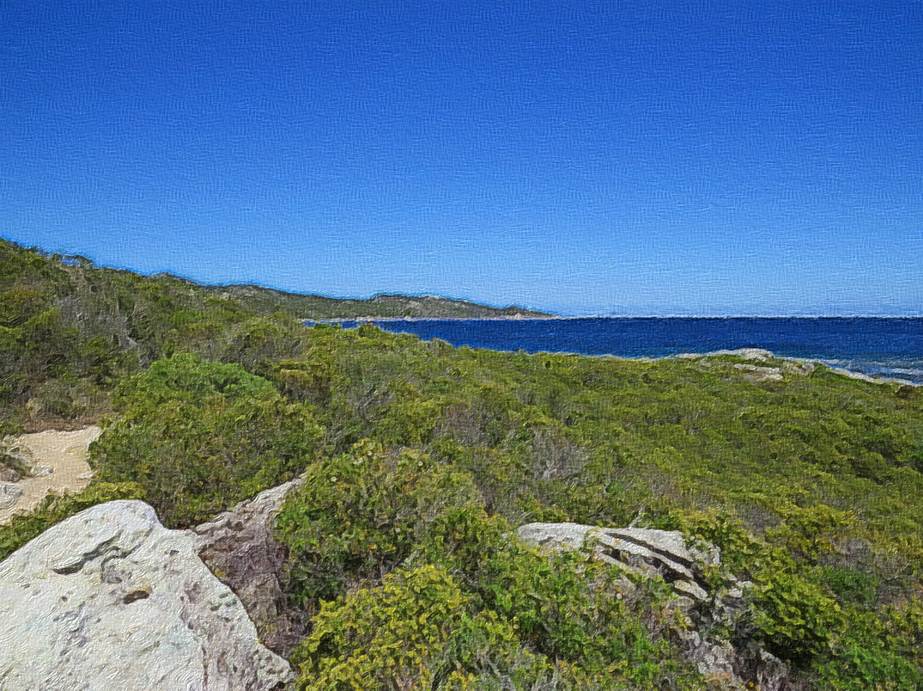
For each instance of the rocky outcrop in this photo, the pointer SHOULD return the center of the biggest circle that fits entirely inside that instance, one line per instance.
(109, 598)
(703, 607)
(636, 550)
(238, 546)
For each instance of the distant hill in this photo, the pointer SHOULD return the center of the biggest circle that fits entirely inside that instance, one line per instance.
(69, 329)
(262, 300)
(389, 306)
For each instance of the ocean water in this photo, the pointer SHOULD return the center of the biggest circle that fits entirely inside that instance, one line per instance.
(880, 347)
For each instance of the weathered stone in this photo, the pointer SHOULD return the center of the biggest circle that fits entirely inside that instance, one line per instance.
(672, 543)
(714, 660)
(648, 552)
(9, 494)
(109, 598)
(690, 588)
(755, 373)
(238, 546)
(669, 554)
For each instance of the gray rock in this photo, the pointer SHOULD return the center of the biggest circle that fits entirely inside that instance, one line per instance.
(681, 563)
(238, 546)
(110, 599)
(714, 660)
(755, 373)
(642, 551)
(9, 494)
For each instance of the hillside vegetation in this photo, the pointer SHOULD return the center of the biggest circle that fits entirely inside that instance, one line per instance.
(420, 459)
(69, 330)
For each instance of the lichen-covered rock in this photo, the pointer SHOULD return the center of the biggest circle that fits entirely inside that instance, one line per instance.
(239, 547)
(110, 599)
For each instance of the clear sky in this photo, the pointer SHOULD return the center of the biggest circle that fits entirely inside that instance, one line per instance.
(587, 157)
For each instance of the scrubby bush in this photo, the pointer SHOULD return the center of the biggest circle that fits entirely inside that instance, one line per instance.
(200, 436)
(876, 652)
(415, 631)
(360, 514)
(565, 606)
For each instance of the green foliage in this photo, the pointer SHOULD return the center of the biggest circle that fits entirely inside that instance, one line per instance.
(564, 606)
(55, 508)
(810, 533)
(64, 318)
(876, 652)
(415, 631)
(200, 436)
(358, 515)
(421, 454)
(795, 616)
(849, 586)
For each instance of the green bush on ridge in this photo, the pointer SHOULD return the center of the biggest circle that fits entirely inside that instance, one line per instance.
(199, 436)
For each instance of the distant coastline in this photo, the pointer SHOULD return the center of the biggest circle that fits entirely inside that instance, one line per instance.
(873, 349)
(560, 317)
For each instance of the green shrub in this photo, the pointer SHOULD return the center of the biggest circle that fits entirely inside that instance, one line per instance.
(200, 436)
(55, 508)
(850, 586)
(359, 514)
(565, 606)
(414, 631)
(876, 652)
(796, 617)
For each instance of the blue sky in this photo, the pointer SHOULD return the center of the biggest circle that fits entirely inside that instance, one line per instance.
(611, 157)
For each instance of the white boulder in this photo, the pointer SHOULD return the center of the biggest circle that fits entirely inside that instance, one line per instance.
(110, 599)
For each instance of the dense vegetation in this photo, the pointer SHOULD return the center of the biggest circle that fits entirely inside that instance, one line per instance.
(69, 330)
(421, 458)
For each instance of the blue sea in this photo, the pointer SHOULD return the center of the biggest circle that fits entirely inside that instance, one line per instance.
(879, 347)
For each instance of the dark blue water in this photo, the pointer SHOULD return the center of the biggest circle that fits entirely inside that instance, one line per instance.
(875, 346)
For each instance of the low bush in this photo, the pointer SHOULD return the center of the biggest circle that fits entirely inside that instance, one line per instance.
(200, 436)
(360, 514)
(414, 631)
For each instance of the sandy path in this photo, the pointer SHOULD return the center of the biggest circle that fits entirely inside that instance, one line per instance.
(65, 453)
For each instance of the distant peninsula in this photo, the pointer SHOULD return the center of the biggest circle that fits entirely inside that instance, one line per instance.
(264, 300)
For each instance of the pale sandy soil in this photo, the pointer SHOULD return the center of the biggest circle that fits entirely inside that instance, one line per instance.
(65, 453)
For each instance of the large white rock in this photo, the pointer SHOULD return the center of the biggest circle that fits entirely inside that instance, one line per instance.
(110, 599)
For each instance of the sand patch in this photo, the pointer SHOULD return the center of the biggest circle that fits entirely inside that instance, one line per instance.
(64, 454)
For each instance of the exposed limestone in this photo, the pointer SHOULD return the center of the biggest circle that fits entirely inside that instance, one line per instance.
(752, 354)
(109, 598)
(757, 374)
(238, 546)
(637, 550)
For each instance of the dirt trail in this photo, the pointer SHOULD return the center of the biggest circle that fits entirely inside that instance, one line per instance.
(65, 453)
